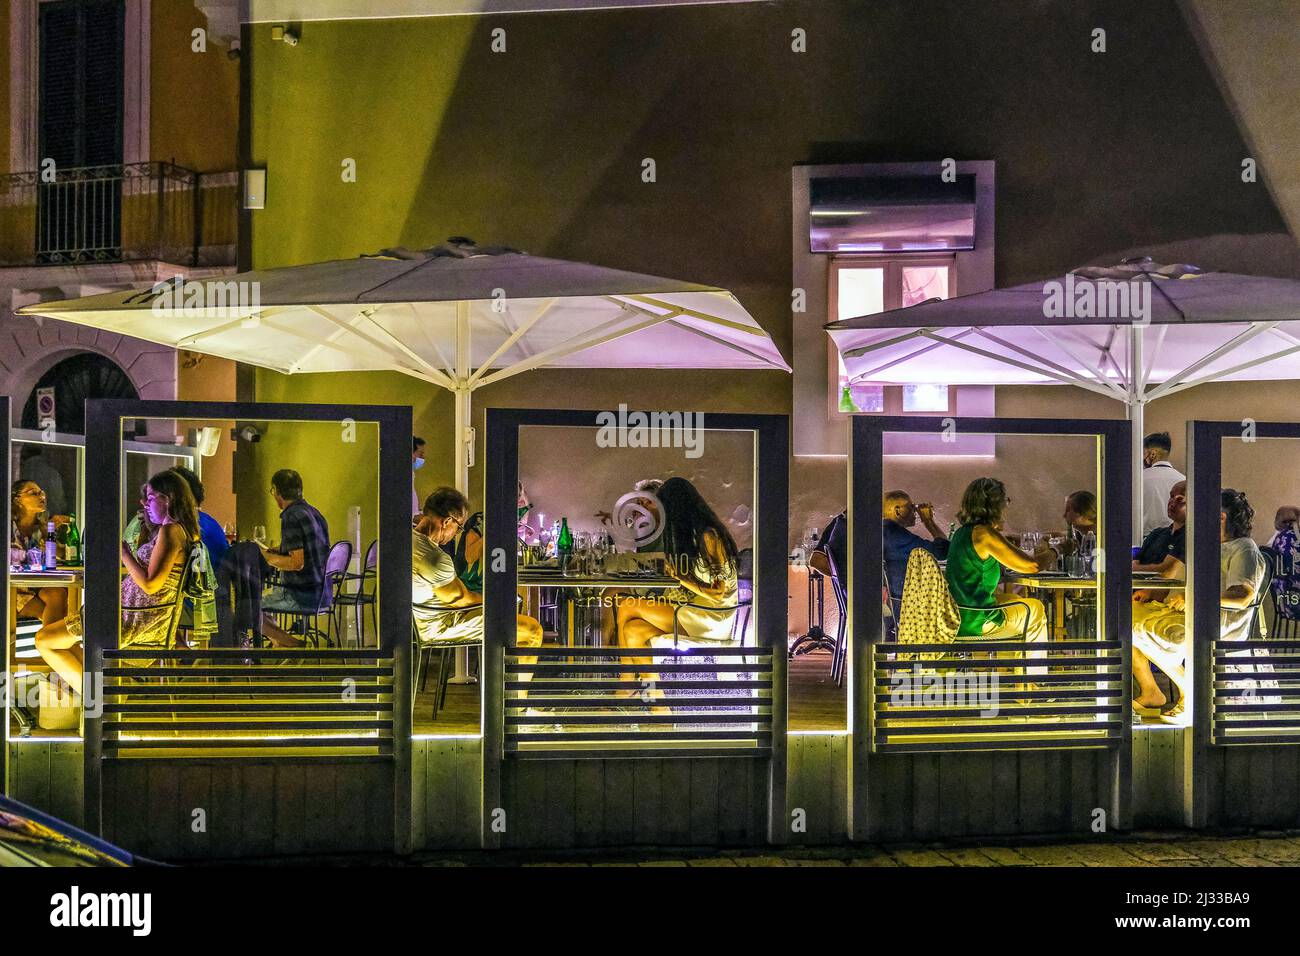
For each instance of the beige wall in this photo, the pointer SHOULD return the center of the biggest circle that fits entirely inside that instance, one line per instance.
(211, 380)
(567, 475)
(819, 485)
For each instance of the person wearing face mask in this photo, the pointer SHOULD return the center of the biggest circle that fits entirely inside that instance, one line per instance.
(443, 607)
(1158, 476)
(154, 563)
(417, 462)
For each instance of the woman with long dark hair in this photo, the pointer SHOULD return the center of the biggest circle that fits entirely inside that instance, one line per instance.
(154, 563)
(27, 533)
(701, 555)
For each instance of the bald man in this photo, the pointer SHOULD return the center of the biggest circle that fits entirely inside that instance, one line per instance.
(900, 514)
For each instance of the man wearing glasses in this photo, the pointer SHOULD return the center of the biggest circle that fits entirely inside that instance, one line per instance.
(300, 559)
(443, 607)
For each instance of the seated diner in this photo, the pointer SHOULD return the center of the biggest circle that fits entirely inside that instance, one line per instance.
(27, 504)
(443, 607)
(977, 553)
(702, 556)
(300, 558)
(154, 562)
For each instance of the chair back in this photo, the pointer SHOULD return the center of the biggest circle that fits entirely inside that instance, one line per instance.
(336, 569)
(928, 614)
(1258, 629)
(372, 557)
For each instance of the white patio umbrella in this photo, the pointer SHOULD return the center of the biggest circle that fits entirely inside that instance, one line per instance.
(457, 316)
(1135, 332)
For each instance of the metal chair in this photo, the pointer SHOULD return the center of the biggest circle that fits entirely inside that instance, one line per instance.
(336, 567)
(423, 650)
(364, 595)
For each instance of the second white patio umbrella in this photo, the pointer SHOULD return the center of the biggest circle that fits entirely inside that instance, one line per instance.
(1134, 332)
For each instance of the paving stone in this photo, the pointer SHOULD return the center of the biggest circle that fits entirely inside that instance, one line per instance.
(714, 861)
(1006, 856)
(920, 858)
(761, 861)
(968, 857)
(1051, 856)
(663, 863)
(1160, 852)
(1108, 854)
(878, 859)
(817, 863)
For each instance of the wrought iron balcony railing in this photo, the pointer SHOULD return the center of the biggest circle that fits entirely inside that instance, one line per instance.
(135, 211)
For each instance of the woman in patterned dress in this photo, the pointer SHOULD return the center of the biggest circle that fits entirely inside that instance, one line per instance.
(154, 564)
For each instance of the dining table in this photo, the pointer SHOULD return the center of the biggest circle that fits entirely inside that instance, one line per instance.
(1059, 584)
(65, 576)
(574, 588)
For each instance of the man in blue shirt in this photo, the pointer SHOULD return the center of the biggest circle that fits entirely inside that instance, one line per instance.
(899, 515)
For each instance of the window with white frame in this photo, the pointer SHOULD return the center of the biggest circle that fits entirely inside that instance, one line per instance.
(866, 285)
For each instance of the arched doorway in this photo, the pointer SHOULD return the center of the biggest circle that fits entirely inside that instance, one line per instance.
(74, 379)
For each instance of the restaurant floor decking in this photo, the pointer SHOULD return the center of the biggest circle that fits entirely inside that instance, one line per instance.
(815, 702)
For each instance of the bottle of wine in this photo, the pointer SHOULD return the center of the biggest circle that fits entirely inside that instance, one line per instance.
(51, 548)
(73, 542)
(564, 542)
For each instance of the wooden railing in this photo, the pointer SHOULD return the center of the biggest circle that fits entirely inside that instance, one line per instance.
(177, 703)
(1256, 692)
(996, 695)
(590, 702)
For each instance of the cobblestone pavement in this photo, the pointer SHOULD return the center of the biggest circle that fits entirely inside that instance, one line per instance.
(1133, 850)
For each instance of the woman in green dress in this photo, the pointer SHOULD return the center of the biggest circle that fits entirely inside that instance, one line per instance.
(977, 553)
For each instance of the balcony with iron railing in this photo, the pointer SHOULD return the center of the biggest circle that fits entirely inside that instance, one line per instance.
(152, 211)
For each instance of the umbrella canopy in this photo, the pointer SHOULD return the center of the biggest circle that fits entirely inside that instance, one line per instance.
(457, 316)
(1134, 332)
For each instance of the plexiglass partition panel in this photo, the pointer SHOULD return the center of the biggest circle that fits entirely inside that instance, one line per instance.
(1002, 585)
(639, 537)
(1256, 650)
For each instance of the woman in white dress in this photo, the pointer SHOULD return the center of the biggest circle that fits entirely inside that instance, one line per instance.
(701, 555)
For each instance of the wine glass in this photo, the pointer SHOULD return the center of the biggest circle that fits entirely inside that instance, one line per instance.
(259, 534)
(232, 532)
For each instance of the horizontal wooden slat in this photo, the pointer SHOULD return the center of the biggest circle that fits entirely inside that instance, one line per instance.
(1003, 694)
(240, 653)
(337, 671)
(998, 663)
(991, 727)
(914, 713)
(182, 743)
(287, 689)
(551, 650)
(250, 707)
(548, 667)
(549, 685)
(647, 735)
(516, 703)
(632, 753)
(599, 719)
(1096, 743)
(983, 647)
(287, 725)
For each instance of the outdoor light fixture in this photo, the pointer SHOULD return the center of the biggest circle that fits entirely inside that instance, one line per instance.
(247, 433)
(284, 35)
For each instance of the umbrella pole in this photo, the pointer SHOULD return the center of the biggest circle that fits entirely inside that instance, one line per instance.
(461, 396)
(1137, 416)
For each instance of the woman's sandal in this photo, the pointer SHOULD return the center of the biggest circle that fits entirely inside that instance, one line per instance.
(1145, 711)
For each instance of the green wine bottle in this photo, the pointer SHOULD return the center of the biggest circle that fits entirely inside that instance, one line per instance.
(846, 400)
(72, 544)
(564, 543)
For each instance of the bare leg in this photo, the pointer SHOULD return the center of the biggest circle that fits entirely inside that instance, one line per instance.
(63, 652)
(55, 601)
(1149, 694)
(528, 633)
(278, 635)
